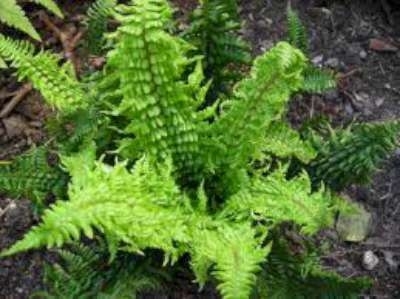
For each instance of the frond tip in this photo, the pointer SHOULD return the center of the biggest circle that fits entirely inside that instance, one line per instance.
(57, 84)
(297, 33)
(12, 14)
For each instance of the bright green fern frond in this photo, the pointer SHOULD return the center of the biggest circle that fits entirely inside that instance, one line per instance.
(351, 155)
(297, 33)
(159, 106)
(13, 15)
(57, 84)
(50, 5)
(276, 199)
(284, 142)
(318, 80)
(237, 255)
(33, 175)
(98, 14)
(259, 100)
(135, 208)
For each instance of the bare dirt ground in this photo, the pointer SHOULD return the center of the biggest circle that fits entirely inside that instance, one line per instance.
(359, 39)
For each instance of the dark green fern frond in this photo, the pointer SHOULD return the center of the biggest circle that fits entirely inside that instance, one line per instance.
(213, 31)
(33, 175)
(297, 33)
(58, 85)
(318, 80)
(98, 14)
(287, 275)
(84, 272)
(351, 155)
(13, 15)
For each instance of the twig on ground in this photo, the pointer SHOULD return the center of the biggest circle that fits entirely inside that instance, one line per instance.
(18, 96)
(69, 41)
(10, 206)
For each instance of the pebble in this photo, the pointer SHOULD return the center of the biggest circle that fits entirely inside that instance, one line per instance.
(317, 60)
(370, 260)
(363, 54)
(332, 62)
(379, 101)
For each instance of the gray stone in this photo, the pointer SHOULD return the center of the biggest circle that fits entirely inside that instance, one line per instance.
(370, 260)
(355, 226)
(332, 63)
(317, 60)
(363, 54)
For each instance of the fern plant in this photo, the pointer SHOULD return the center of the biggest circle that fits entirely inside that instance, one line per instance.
(186, 186)
(13, 15)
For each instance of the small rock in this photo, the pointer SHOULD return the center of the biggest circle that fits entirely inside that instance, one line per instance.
(264, 23)
(363, 54)
(355, 226)
(332, 63)
(19, 290)
(317, 60)
(370, 260)
(380, 45)
(379, 101)
(14, 125)
(348, 108)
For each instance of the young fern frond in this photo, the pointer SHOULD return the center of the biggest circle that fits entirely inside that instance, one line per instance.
(284, 142)
(351, 155)
(318, 80)
(213, 31)
(98, 14)
(297, 33)
(13, 15)
(58, 85)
